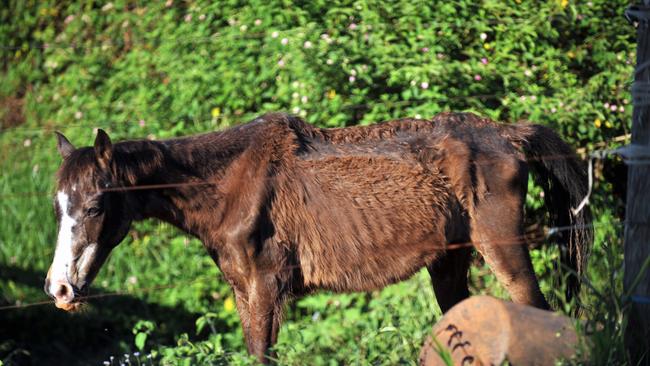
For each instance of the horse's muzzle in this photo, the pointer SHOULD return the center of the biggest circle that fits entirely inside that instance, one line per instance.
(65, 296)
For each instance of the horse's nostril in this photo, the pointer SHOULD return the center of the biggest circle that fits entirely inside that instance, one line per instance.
(63, 292)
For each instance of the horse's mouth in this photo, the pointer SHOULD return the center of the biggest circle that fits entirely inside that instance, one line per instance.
(68, 306)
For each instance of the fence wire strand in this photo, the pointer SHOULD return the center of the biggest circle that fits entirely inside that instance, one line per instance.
(525, 239)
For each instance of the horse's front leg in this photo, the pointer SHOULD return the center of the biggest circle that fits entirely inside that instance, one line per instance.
(241, 299)
(265, 308)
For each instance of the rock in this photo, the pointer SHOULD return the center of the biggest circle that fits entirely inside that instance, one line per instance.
(483, 330)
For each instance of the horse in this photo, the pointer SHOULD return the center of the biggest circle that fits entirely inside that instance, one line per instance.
(285, 208)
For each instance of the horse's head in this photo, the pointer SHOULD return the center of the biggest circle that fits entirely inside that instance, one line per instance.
(92, 219)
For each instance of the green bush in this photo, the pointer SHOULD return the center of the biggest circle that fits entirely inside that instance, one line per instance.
(159, 69)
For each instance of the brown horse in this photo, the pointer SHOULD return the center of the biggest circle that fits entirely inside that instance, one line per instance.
(285, 208)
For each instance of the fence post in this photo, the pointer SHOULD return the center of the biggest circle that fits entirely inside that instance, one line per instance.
(637, 227)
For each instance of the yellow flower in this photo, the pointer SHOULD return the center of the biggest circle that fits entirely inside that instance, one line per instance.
(331, 94)
(571, 54)
(597, 122)
(216, 112)
(229, 304)
(564, 3)
(487, 46)
(608, 124)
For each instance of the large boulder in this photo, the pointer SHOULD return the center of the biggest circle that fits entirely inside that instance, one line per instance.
(483, 330)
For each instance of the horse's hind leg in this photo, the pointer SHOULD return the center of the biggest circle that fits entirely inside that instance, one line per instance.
(449, 277)
(497, 232)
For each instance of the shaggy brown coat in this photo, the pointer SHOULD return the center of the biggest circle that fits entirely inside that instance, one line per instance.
(285, 208)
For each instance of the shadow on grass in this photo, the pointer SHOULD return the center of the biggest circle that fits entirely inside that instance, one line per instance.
(45, 335)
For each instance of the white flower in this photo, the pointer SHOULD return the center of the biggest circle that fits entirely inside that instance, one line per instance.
(329, 61)
(307, 44)
(284, 41)
(107, 7)
(78, 115)
(258, 21)
(528, 73)
(352, 79)
(296, 110)
(243, 28)
(424, 85)
(304, 99)
(27, 143)
(275, 34)
(483, 36)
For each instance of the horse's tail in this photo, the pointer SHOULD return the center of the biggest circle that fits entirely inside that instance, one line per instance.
(557, 169)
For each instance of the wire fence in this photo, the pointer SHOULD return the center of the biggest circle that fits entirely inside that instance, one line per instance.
(19, 195)
(530, 238)
(526, 239)
(519, 240)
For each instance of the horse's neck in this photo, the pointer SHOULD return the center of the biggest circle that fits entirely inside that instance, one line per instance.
(183, 175)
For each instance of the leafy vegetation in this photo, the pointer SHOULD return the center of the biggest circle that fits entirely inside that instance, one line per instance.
(162, 69)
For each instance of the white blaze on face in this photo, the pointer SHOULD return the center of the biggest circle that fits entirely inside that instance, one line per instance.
(63, 254)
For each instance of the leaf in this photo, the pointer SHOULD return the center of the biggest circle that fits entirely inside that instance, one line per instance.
(140, 340)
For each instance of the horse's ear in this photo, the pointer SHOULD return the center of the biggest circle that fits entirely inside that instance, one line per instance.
(103, 148)
(63, 145)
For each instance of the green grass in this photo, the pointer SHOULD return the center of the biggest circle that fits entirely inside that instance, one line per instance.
(139, 68)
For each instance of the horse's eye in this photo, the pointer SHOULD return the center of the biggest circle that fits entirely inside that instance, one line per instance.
(93, 211)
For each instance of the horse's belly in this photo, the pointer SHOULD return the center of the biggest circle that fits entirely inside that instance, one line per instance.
(365, 270)
(361, 223)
